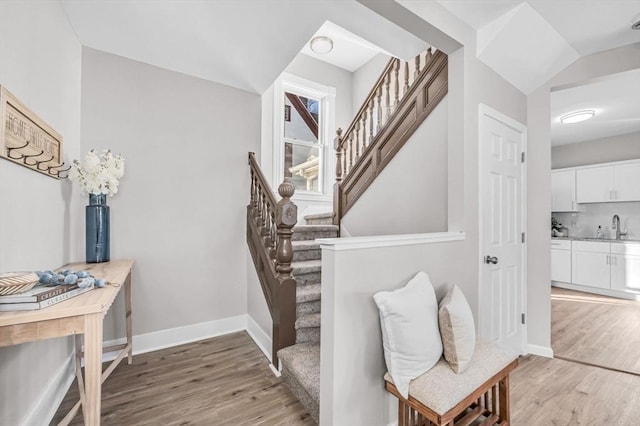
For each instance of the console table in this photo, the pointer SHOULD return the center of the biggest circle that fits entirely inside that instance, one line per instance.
(82, 314)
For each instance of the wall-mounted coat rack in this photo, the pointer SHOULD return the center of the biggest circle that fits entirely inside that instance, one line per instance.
(27, 140)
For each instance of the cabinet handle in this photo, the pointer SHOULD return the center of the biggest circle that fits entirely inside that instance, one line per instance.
(608, 260)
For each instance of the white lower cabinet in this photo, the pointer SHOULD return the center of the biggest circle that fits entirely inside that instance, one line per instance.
(561, 261)
(591, 268)
(625, 267)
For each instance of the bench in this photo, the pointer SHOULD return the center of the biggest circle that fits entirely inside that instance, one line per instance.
(442, 397)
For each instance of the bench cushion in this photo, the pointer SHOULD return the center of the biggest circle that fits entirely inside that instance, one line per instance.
(441, 389)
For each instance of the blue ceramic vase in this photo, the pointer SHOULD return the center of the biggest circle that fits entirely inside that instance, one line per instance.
(97, 229)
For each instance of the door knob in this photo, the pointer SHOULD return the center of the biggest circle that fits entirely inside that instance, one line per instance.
(490, 260)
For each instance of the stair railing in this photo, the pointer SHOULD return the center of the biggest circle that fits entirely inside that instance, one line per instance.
(269, 232)
(404, 94)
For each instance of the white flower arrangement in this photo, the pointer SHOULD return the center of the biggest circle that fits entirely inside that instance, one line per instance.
(99, 173)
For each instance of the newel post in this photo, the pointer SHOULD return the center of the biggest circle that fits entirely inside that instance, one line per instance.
(286, 219)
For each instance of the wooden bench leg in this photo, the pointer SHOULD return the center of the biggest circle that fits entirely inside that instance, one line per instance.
(505, 403)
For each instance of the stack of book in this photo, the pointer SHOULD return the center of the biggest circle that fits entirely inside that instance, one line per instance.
(40, 297)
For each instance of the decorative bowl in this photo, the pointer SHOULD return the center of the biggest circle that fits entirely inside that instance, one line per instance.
(17, 282)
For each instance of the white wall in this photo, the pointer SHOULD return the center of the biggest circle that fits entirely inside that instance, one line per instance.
(352, 361)
(614, 148)
(181, 208)
(539, 177)
(39, 218)
(410, 195)
(470, 84)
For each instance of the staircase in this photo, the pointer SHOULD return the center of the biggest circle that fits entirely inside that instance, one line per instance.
(288, 260)
(301, 362)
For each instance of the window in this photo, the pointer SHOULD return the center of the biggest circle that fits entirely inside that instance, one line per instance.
(303, 131)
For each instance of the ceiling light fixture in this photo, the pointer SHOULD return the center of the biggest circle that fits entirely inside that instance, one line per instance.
(577, 116)
(321, 45)
(636, 25)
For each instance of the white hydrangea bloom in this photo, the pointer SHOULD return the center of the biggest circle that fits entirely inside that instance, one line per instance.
(99, 173)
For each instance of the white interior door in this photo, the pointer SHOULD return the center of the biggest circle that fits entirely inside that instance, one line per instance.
(501, 310)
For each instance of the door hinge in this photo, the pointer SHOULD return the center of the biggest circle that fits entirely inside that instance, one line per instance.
(522, 157)
(523, 237)
(522, 319)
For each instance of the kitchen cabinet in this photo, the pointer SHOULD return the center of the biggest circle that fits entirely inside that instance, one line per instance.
(625, 267)
(561, 260)
(563, 191)
(616, 182)
(590, 264)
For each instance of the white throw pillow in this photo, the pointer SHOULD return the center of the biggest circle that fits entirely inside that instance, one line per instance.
(457, 329)
(410, 334)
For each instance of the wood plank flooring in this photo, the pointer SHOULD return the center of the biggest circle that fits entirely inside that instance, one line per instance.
(226, 381)
(596, 330)
(548, 392)
(220, 381)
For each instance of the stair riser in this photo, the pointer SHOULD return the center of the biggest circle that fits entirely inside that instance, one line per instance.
(301, 255)
(311, 334)
(298, 236)
(308, 308)
(301, 394)
(304, 279)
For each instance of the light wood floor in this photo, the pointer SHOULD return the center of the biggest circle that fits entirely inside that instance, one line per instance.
(597, 330)
(220, 381)
(226, 381)
(548, 392)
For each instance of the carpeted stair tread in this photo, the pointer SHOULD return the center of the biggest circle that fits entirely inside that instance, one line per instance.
(319, 218)
(306, 267)
(323, 215)
(308, 293)
(303, 361)
(315, 228)
(308, 320)
(308, 335)
(305, 245)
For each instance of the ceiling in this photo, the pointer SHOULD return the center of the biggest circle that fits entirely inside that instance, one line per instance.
(528, 42)
(240, 43)
(349, 52)
(615, 99)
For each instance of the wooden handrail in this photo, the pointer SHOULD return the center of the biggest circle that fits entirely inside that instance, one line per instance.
(269, 231)
(385, 121)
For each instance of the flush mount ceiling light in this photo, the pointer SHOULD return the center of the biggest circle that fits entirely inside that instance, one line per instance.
(636, 25)
(321, 44)
(577, 116)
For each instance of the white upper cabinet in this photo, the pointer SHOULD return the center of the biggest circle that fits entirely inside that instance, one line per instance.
(563, 191)
(601, 184)
(626, 182)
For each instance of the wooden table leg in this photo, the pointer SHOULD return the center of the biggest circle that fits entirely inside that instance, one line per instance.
(127, 303)
(92, 368)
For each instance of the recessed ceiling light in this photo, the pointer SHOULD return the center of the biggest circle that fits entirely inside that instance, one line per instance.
(577, 116)
(321, 44)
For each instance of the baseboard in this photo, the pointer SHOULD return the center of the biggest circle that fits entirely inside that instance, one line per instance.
(52, 395)
(162, 339)
(544, 351)
(262, 339)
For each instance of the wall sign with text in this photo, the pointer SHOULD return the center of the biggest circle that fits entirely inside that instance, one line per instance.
(27, 140)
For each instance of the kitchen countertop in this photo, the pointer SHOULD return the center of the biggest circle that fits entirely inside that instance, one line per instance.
(592, 239)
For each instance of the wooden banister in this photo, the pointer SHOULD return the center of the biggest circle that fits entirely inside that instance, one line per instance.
(390, 114)
(269, 230)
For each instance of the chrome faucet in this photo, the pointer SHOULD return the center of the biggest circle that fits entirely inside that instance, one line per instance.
(615, 224)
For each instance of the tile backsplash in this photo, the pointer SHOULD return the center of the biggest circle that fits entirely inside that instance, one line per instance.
(585, 223)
